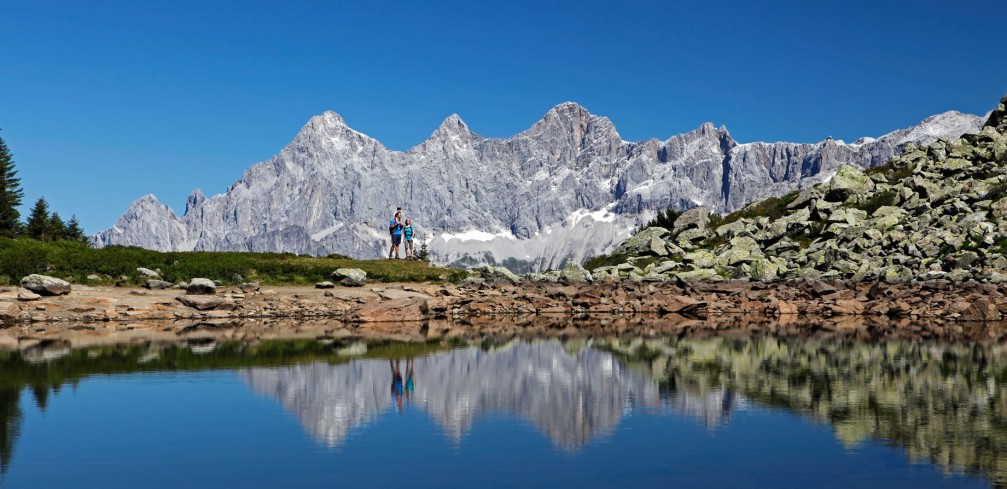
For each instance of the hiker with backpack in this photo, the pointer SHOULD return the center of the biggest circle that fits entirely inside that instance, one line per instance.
(395, 229)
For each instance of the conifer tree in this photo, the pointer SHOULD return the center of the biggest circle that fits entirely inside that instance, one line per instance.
(73, 231)
(57, 228)
(10, 193)
(38, 221)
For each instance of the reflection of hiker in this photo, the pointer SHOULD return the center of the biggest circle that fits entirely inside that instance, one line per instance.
(407, 234)
(396, 383)
(409, 380)
(395, 229)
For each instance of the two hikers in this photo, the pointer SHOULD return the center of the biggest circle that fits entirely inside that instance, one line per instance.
(398, 231)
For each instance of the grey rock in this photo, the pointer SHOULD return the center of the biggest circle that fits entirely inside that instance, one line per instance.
(249, 287)
(201, 286)
(325, 285)
(697, 218)
(147, 273)
(498, 274)
(94, 277)
(643, 242)
(45, 285)
(573, 273)
(155, 284)
(350, 277)
(487, 201)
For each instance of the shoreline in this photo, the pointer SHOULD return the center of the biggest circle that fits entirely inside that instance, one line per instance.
(940, 302)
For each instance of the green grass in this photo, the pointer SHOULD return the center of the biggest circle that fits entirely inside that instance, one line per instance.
(66, 259)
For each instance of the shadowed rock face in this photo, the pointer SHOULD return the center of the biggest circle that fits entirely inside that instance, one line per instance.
(567, 188)
(570, 396)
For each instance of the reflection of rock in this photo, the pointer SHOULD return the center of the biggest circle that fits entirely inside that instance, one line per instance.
(940, 402)
(570, 394)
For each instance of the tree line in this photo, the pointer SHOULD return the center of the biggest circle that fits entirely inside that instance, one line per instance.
(41, 224)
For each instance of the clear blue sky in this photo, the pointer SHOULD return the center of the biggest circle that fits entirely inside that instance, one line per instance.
(103, 102)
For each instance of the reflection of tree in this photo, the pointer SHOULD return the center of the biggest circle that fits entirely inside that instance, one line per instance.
(10, 425)
(943, 403)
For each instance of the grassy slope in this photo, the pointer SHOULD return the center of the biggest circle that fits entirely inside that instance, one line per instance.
(66, 259)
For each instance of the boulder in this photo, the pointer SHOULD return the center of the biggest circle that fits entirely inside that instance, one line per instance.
(498, 274)
(573, 273)
(147, 273)
(849, 181)
(155, 284)
(641, 243)
(697, 218)
(325, 285)
(94, 278)
(350, 277)
(249, 287)
(207, 302)
(201, 286)
(45, 285)
(25, 295)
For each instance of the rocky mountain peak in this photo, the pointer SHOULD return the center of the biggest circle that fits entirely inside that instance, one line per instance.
(567, 188)
(453, 126)
(194, 200)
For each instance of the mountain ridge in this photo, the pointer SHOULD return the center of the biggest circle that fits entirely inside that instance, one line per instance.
(567, 188)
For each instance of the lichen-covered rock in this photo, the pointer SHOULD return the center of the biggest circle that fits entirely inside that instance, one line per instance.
(573, 273)
(498, 274)
(849, 181)
(45, 285)
(642, 242)
(697, 217)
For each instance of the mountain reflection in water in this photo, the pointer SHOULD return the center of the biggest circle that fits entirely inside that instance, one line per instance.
(571, 394)
(941, 402)
(944, 403)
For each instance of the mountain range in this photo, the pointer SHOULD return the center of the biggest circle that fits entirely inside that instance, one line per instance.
(566, 189)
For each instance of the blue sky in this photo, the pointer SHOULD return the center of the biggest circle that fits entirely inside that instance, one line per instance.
(103, 102)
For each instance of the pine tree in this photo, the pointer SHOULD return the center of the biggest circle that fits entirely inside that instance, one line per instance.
(38, 221)
(10, 193)
(424, 253)
(73, 231)
(57, 228)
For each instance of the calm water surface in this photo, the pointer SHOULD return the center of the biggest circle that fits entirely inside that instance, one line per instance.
(549, 413)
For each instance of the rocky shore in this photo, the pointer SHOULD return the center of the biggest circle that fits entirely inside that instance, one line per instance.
(938, 301)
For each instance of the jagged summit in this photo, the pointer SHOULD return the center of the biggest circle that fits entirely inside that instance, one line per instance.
(194, 200)
(566, 188)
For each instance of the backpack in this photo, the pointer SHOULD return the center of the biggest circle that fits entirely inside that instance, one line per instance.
(394, 226)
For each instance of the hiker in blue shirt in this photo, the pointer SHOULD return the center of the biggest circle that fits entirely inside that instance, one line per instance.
(395, 229)
(407, 234)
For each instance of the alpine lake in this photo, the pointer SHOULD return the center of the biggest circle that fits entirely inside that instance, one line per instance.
(215, 407)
